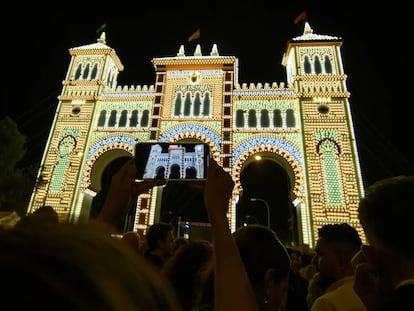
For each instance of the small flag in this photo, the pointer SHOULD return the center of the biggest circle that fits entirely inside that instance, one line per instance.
(302, 16)
(194, 36)
(103, 27)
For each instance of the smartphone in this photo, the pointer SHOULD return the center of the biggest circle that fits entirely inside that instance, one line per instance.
(172, 161)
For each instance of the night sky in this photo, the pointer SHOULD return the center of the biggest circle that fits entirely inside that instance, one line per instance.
(35, 59)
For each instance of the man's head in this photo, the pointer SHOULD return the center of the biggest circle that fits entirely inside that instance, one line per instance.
(386, 213)
(160, 238)
(336, 245)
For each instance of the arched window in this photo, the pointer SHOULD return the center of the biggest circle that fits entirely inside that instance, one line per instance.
(111, 81)
(86, 72)
(206, 104)
(102, 118)
(240, 118)
(252, 120)
(197, 104)
(94, 71)
(264, 118)
(307, 65)
(187, 104)
(78, 72)
(145, 118)
(290, 118)
(277, 118)
(133, 121)
(177, 105)
(328, 65)
(112, 119)
(123, 118)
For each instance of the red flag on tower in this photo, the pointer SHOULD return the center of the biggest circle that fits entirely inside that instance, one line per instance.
(302, 16)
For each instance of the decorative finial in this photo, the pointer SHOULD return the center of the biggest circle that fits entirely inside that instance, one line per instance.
(197, 50)
(307, 29)
(181, 51)
(102, 38)
(214, 50)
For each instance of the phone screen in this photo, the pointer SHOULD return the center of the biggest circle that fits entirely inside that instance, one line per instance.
(172, 161)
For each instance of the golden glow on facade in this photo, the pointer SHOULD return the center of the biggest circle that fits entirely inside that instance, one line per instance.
(305, 125)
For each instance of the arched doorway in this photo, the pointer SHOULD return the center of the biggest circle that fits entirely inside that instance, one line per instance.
(266, 197)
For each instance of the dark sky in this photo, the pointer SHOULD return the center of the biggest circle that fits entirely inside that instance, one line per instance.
(35, 55)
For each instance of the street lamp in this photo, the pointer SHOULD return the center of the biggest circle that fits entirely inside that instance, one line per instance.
(267, 207)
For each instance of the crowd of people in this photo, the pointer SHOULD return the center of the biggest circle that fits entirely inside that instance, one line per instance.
(53, 265)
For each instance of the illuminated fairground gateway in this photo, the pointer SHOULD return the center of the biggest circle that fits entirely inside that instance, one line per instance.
(303, 128)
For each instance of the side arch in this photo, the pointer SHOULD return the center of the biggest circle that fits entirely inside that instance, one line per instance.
(99, 148)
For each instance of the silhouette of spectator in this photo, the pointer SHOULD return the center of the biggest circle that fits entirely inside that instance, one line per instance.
(43, 215)
(298, 285)
(77, 267)
(178, 242)
(160, 244)
(306, 269)
(266, 263)
(184, 270)
(336, 245)
(316, 288)
(384, 268)
(133, 239)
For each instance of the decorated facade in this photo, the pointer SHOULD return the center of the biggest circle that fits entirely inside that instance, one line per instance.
(303, 125)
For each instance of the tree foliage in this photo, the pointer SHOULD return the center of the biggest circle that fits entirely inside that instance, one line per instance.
(16, 183)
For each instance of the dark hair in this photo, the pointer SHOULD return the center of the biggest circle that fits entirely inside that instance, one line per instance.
(260, 249)
(342, 232)
(43, 215)
(157, 232)
(386, 213)
(185, 271)
(78, 267)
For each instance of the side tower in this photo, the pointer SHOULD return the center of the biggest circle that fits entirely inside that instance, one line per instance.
(333, 177)
(93, 68)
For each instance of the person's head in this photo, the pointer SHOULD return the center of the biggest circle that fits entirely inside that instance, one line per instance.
(133, 239)
(185, 270)
(266, 262)
(294, 255)
(77, 267)
(336, 245)
(43, 215)
(180, 241)
(386, 212)
(160, 238)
